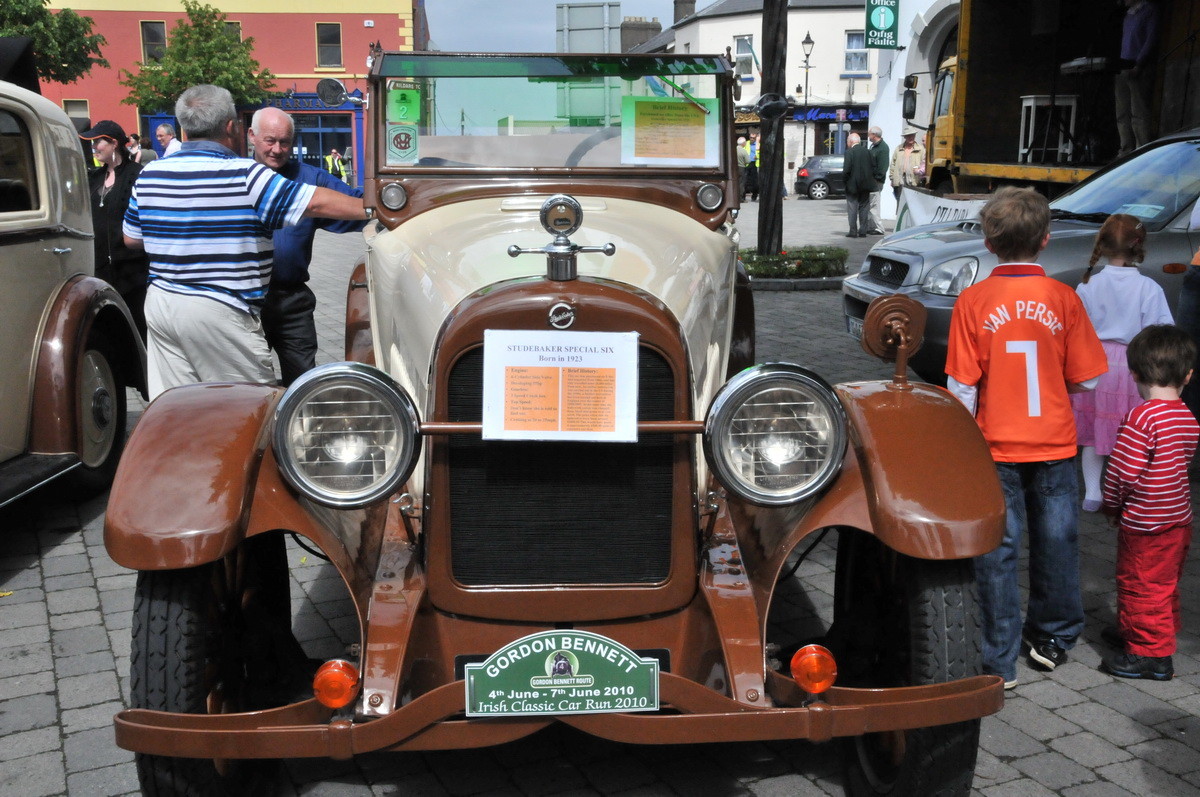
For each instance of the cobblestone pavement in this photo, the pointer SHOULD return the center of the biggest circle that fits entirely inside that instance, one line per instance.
(65, 615)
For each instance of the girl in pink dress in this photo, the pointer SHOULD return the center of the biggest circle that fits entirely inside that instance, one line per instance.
(1121, 302)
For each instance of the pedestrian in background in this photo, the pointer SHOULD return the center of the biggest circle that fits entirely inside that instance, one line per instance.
(165, 133)
(752, 166)
(743, 160)
(880, 158)
(205, 217)
(1133, 84)
(908, 163)
(287, 313)
(860, 182)
(1019, 341)
(1120, 302)
(1146, 488)
(110, 187)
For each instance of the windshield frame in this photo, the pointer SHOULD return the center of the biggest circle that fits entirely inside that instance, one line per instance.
(418, 65)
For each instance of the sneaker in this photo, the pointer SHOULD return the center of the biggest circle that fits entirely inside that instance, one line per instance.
(1111, 636)
(1091, 505)
(1010, 684)
(1131, 665)
(1046, 655)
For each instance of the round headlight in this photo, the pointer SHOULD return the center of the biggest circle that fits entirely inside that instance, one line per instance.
(775, 434)
(709, 196)
(393, 196)
(346, 435)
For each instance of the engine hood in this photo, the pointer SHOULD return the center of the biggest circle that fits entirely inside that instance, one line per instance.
(420, 271)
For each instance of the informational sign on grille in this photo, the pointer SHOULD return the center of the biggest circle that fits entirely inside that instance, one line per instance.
(561, 672)
(555, 385)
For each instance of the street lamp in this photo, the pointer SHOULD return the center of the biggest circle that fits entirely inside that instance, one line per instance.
(807, 46)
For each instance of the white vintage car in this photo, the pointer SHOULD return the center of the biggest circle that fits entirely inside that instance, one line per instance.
(552, 480)
(68, 347)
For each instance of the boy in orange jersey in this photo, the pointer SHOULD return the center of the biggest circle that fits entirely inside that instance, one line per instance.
(1146, 486)
(1019, 342)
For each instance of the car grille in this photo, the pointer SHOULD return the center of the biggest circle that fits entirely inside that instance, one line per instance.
(542, 513)
(891, 272)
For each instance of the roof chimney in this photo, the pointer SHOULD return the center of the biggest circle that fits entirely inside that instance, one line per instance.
(684, 8)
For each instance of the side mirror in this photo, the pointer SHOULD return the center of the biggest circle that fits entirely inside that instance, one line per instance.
(910, 81)
(771, 107)
(908, 103)
(331, 92)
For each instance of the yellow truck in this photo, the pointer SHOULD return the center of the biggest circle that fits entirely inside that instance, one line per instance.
(1028, 97)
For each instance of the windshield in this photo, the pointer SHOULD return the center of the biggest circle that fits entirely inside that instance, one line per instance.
(552, 112)
(1155, 186)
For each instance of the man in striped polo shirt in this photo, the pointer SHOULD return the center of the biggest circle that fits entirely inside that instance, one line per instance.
(1146, 487)
(205, 217)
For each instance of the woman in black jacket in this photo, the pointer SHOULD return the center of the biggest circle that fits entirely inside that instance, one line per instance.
(110, 187)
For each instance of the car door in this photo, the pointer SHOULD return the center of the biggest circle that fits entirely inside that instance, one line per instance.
(35, 252)
(836, 177)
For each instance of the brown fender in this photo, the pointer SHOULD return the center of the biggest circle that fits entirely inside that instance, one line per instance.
(930, 481)
(83, 304)
(183, 490)
(360, 341)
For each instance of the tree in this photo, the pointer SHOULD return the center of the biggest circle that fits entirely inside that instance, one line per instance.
(201, 49)
(64, 47)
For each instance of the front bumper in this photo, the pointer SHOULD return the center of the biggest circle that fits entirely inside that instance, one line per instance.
(693, 713)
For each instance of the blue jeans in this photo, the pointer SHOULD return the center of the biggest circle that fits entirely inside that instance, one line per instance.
(1043, 496)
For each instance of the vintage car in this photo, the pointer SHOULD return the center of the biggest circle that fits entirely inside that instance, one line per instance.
(552, 479)
(69, 347)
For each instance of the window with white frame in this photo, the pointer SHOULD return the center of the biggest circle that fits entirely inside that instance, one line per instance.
(856, 52)
(743, 56)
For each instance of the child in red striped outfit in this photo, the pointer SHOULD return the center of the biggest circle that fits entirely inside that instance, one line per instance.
(1146, 487)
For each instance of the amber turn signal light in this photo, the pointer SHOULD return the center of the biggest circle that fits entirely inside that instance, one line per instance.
(814, 669)
(336, 683)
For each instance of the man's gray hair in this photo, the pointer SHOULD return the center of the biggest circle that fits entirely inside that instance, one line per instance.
(875, 131)
(204, 110)
(170, 128)
(853, 140)
(256, 120)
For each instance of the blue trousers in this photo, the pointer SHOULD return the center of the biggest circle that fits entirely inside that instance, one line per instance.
(1043, 497)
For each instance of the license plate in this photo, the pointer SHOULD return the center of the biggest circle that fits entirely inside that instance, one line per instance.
(561, 672)
(854, 326)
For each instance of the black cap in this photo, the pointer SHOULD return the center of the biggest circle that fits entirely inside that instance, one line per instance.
(104, 129)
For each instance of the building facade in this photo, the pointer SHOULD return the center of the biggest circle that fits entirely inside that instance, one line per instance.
(299, 41)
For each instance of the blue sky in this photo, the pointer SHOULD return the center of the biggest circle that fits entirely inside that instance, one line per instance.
(515, 25)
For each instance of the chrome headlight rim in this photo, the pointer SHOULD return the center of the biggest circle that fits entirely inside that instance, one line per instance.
(380, 386)
(731, 398)
(709, 197)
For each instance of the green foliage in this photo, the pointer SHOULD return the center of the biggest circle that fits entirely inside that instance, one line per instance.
(64, 47)
(200, 49)
(792, 262)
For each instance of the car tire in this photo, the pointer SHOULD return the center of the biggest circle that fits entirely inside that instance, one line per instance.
(900, 621)
(818, 189)
(199, 645)
(101, 415)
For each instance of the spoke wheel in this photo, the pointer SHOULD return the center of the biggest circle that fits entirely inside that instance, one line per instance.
(900, 621)
(205, 642)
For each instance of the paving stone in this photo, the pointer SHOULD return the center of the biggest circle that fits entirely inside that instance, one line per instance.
(1036, 721)
(61, 622)
(991, 771)
(1089, 750)
(1185, 730)
(100, 660)
(1108, 723)
(1145, 778)
(26, 636)
(28, 712)
(77, 641)
(33, 683)
(96, 716)
(1145, 707)
(1005, 741)
(93, 749)
(72, 600)
(20, 583)
(123, 582)
(28, 743)
(22, 615)
(1050, 694)
(1168, 754)
(1054, 770)
(25, 659)
(1097, 789)
(87, 690)
(62, 565)
(617, 774)
(35, 776)
(1025, 787)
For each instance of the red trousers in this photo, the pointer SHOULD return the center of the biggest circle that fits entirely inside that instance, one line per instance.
(1149, 567)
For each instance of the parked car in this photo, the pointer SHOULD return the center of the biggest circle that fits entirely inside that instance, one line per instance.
(553, 482)
(821, 177)
(934, 263)
(69, 347)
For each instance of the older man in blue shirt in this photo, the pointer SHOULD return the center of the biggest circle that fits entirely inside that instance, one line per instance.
(288, 311)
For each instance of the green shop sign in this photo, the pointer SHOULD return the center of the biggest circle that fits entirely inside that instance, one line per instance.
(561, 672)
(883, 25)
